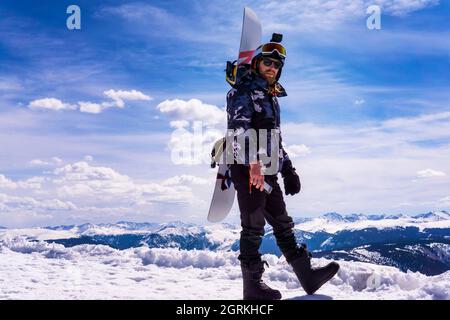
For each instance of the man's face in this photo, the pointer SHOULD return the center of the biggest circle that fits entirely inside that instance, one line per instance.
(269, 72)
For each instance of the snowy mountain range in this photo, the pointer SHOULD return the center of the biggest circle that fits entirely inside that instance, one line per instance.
(417, 243)
(381, 257)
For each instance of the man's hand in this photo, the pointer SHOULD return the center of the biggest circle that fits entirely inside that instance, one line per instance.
(256, 178)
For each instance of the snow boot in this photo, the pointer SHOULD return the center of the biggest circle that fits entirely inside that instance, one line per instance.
(254, 287)
(311, 279)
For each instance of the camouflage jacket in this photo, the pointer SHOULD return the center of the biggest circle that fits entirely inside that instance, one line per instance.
(253, 105)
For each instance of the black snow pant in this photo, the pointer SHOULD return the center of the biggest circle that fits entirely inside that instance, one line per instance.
(257, 207)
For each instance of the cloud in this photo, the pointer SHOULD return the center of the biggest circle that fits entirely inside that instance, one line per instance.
(359, 102)
(292, 15)
(184, 179)
(429, 173)
(401, 8)
(90, 107)
(83, 171)
(354, 167)
(9, 84)
(179, 124)
(96, 183)
(119, 97)
(31, 183)
(192, 147)
(139, 11)
(193, 110)
(445, 201)
(42, 163)
(81, 190)
(50, 104)
(416, 121)
(12, 203)
(197, 126)
(139, 17)
(297, 150)
(7, 183)
(351, 168)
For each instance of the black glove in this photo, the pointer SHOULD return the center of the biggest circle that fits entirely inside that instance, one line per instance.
(291, 179)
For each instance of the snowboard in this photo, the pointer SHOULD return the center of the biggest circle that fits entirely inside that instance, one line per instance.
(224, 191)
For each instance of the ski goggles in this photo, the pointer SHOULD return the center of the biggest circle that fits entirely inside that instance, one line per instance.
(270, 47)
(268, 62)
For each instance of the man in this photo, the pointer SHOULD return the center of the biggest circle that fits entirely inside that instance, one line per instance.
(253, 104)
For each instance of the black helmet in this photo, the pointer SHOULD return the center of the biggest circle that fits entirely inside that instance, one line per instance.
(273, 49)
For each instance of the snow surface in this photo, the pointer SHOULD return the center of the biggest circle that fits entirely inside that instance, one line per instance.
(38, 233)
(64, 232)
(39, 270)
(333, 222)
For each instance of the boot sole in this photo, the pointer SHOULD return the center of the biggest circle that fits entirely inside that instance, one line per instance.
(262, 299)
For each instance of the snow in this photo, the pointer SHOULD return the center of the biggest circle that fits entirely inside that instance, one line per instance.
(333, 222)
(75, 232)
(103, 230)
(39, 270)
(38, 233)
(224, 234)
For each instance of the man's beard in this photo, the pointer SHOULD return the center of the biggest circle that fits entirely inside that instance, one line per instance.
(270, 79)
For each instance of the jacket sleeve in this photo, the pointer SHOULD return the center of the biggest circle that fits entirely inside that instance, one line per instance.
(240, 111)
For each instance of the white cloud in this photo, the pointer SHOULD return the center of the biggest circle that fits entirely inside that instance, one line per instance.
(92, 184)
(414, 122)
(429, 173)
(403, 7)
(354, 168)
(293, 15)
(50, 104)
(445, 201)
(178, 124)
(90, 107)
(80, 190)
(192, 147)
(57, 160)
(31, 183)
(197, 126)
(88, 158)
(38, 162)
(193, 110)
(119, 97)
(29, 203)
(185, 179)
(359, 102)
(7, 183)
(297, 150)
(43, 163)
(82, 171)
(362, 166)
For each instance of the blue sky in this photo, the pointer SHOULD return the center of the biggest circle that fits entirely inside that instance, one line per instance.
(366, 117)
